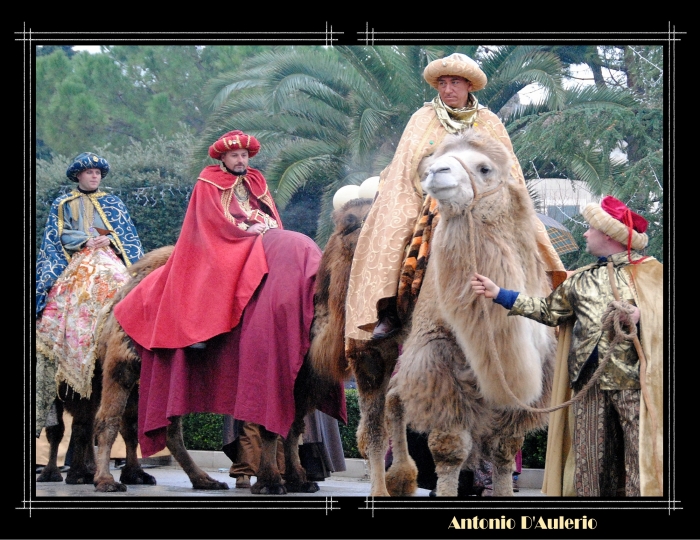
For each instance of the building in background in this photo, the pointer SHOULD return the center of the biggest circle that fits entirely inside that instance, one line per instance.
(562, 198)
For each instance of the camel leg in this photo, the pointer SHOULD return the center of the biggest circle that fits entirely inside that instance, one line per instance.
(107, 424)
(372, 365)
(133, 473)
(402, 476)
(502, 462)
(176, 445)
(121, 370)
(295, 475)
(82, 466)
(308, 386)
(269, 480)
(54, 434)
(372, 438)
(449, 449)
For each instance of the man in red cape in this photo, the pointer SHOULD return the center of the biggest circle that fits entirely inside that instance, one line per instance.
(223, 326)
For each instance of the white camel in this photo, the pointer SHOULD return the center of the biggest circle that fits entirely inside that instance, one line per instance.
(466, 367)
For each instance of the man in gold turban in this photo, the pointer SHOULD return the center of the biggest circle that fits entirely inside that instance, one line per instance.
(371, 302)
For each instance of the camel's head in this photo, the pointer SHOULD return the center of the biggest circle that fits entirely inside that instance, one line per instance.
(468, 170)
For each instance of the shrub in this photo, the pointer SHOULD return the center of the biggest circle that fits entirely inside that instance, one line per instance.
(203, 431)
(348, 433)
(535, 449)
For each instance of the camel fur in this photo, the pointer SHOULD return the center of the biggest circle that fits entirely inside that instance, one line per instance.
(331, 358)
(447, 383)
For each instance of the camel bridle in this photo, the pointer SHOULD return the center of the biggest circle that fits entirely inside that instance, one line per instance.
(476, 195)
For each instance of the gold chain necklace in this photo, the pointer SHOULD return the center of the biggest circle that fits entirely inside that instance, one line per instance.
(240, 191)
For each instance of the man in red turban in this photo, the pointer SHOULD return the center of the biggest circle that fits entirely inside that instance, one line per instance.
(223, 326)
(618, 421)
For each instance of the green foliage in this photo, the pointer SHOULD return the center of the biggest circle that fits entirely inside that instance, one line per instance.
(535, 449)
(203, 431)
(123, 93)
(348, 433)
(333, 117)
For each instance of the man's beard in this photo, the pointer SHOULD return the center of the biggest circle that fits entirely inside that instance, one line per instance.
(238, 173)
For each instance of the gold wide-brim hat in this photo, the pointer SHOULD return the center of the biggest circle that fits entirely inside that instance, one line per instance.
(455, 64)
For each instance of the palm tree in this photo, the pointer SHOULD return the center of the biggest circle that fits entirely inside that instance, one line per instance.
(608, 136)
(329, 117)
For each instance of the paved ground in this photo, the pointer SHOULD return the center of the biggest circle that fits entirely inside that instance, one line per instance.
(173, 482)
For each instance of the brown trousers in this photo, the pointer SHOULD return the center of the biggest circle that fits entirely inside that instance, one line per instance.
(248, 448)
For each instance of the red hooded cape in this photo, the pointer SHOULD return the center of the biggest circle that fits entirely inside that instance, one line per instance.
(212, 256)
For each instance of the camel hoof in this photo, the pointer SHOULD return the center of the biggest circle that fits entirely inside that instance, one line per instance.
(268, 489)
(210, 484)
(136, 477)
(80, 478)
(401, 481)
(304, 487)
(110, 487)
(50, 475)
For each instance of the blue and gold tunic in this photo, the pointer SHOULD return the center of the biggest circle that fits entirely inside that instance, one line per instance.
(67, 230)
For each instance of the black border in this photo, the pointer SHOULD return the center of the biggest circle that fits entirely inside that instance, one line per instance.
(345, 517)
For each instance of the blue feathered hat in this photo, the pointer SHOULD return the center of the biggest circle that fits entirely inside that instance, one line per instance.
(87, 160)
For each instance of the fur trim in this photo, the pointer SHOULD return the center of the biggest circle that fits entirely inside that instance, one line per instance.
(604, 222)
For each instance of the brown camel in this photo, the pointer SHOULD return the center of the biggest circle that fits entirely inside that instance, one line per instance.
(323, 367)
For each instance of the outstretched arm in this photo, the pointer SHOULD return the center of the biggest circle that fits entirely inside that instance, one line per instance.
(483, 285)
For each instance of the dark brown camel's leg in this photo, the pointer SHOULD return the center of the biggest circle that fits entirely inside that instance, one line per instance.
(269, 479)
(402, 476)
(295, 475)
(54, 435)
(307, 389)
(372, 364)
(82, 465)
(133, 473)
(176, 445)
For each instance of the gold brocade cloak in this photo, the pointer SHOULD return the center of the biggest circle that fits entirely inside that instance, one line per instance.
(388, 228)
(647, 278)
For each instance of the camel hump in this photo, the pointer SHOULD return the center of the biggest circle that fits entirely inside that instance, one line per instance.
(351, 215)
(144, 266)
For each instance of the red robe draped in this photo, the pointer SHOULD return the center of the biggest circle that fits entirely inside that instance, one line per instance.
(252, 357)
